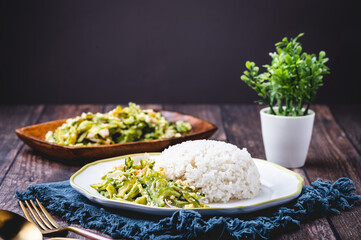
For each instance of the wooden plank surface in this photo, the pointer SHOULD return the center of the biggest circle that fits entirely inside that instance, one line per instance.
(243, 128)
(349, 119)
(11, 118)
(334, 152)
(332, 156)
(211, 113)
(31, 168)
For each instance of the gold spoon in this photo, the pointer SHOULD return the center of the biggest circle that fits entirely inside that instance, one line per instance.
(16, 227)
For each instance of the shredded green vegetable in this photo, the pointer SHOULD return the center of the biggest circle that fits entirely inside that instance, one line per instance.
(141, 184)
(120, 125)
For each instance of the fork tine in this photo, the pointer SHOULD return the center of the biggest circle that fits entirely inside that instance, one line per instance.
(32, 216)
(41, 216)
(35, 217)
(26, 213)
(47, 214)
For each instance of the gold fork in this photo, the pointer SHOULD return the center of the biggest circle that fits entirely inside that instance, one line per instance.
(48, 225)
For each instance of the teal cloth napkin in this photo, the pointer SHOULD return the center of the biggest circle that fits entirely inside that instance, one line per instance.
(319, 199)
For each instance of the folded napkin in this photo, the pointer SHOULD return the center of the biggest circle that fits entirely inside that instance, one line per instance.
(319, 199)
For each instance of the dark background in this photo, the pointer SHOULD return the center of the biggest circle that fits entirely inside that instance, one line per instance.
(166, 51)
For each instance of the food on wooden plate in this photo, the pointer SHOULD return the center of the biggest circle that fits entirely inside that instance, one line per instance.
(220, 170)
(139, 183)
(120, 125)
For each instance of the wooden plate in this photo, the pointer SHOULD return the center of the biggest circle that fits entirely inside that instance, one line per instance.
(34, 137)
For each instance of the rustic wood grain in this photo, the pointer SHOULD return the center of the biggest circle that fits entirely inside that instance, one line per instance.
(30, 168)
(55, 112)
(210, 113)
(334, 152)
(243, 128)
(316, 229)
(331, 156)
(349, 119)
(12, 117)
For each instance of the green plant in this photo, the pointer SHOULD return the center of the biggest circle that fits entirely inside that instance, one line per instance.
(291, 81)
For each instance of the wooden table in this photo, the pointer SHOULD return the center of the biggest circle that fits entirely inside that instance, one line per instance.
(334, 152)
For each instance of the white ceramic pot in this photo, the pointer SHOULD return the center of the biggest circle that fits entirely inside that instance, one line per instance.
(286, 139)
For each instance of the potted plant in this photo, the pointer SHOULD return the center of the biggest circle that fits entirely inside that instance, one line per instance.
(288, 86)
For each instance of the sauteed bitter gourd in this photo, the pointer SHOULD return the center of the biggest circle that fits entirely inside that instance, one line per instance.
(141, 184)
(120, 125)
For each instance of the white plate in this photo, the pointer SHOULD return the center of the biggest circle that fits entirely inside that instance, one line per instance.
(279, 185)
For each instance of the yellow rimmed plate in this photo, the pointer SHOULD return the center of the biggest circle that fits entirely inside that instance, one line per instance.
(279, 185)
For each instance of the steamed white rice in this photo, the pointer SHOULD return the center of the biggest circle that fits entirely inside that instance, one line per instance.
(220, 170)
